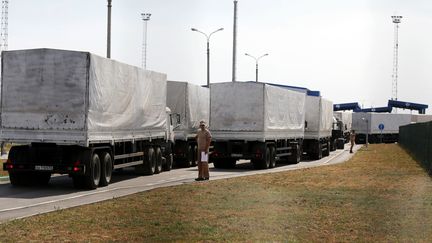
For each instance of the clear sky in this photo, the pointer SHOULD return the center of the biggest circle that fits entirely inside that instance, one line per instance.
(342, 48)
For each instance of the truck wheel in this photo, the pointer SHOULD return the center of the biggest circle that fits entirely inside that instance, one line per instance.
(106, 169)
(18, 179)
(41, 179)
(149, 165)
(169, 162)
(272, 163)
(217, 163)
(195, 156)
(327, 151)
(231, 164)
(263, 163)
(94, 173)
(295, 155)
(190, 157)
(318, 151)
(333, 145)
(158, 160)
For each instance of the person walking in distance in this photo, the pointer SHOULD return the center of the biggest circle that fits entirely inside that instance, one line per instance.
(352, 140)
(203, 139)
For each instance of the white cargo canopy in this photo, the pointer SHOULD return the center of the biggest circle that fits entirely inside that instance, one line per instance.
(319, 117)
(70, 97)
(192, 103)
(345, 117)
(370, 122)
(255, 111)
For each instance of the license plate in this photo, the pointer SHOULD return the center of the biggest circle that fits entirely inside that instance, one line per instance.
(44, 167)
(236, 155)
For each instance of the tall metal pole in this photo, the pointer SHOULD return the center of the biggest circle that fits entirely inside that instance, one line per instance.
(208, 50)
(109, 30)
(256, 72)
(234, 43)
(145, 17)
(396, 21)
(208, 62)
(256, 64)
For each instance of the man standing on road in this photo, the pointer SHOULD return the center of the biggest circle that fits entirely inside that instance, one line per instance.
(352, 140)
(203, 138)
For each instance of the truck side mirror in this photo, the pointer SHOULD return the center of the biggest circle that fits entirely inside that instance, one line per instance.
(175, 122)
(178, 118)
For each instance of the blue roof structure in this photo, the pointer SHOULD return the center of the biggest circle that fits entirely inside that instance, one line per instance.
(377, 109)
(421, 108)
(346, 106)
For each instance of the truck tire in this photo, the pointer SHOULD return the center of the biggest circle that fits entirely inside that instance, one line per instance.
(158, 160)
(190, 157)
(295, 155)
(340, 144)
(18, 178)
(149, 165)
(263, 163)
(106, 169)
(333, 145)
(327, 151)
(169, 162)
(231, 164)
(195, 156)
(93, 175)
(217, 163)
(317, 155)
(272, 151)
(41, 178)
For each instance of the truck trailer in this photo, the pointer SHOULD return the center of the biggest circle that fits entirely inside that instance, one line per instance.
(83, 115)
(380, 127)
(256, 122)
(318, 127)
(341, 129)
(192, 103)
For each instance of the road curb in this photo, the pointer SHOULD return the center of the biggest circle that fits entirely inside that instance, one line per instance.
(4, 178)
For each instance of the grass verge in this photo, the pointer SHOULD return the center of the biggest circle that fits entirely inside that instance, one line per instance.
(381, 194)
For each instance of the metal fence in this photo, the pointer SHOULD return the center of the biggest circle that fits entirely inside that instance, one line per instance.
(417, 140)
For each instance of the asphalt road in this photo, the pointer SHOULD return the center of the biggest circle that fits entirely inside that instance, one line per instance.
(19, 202)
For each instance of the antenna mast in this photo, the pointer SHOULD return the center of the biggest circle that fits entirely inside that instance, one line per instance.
(396, 21)
(4, 26)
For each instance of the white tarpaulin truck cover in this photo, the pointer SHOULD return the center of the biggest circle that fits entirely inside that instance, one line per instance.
(71, 97)
(372, 121)
(255, 111)
(345, 117)
(319, 117)
(192, 103)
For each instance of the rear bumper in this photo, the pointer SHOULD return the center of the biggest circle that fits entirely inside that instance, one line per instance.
(57, 168)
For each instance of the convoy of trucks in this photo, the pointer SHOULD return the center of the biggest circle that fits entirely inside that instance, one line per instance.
(76, 113)
(192, 103)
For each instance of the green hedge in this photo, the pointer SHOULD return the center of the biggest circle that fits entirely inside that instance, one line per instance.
(417, 139)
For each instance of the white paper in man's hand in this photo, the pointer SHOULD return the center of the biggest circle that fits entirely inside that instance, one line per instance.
(204, 157)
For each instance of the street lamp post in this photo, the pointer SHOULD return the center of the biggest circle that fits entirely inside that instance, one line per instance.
(208, 50)
(109, 30)
(145, 17)
(256, 64)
